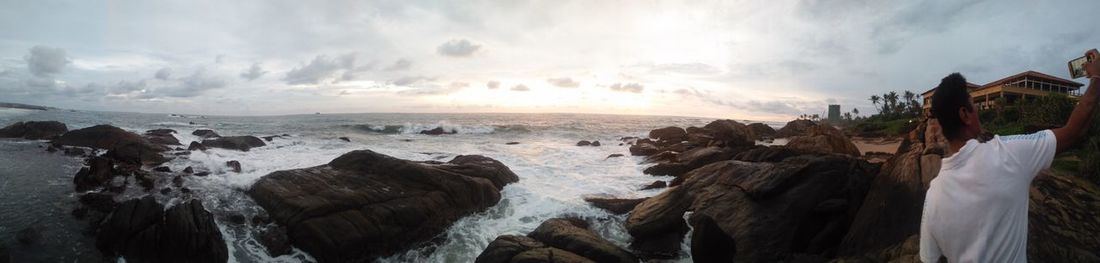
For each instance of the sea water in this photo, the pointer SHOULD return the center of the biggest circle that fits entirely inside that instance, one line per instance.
(36, 187)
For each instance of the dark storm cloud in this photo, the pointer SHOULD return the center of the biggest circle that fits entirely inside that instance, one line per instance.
(320, 69)
(163, 74)
(520, 87)
(458, 48)
(493, 84)
(564, 82)
(627, 87)
(254, 72)
(43, 61)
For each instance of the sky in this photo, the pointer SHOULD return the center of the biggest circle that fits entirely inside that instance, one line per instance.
(759, 60)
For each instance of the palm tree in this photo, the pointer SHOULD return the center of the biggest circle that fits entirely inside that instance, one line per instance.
(911, 103)
(848, 115)
(855, 111)
(816, 116)
(890, 99)
(874, 101)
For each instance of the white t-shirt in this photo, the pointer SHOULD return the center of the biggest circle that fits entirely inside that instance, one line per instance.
(976, 208)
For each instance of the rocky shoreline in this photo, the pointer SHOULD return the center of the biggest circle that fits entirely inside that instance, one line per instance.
(815, 199)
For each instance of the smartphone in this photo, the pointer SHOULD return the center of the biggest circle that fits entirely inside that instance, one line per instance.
(1077, 67)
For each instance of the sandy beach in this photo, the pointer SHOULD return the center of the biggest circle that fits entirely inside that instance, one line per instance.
(881, 144)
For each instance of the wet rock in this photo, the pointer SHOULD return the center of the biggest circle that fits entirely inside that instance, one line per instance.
(163, 169)
(140, 230)
(196, 146)
(655, 185)
(675, 134)
(188, 170)
(202, 173)
(438, 131)
(614, 205)
(555, 240)
(96, 174)
(34, 130)
(185, 190)
(644, 148)
(823, 139)
(662, 157)
(5, 255)
(795, 128)
(177, 181)
(205, 133)
(99, 201)
(237, 219)
(1063, 219)
(574, 236)
(511, 143)
(272, 137)
(690, 160)
(364, 205)
(613, 155)
(74, 151)
(240, 143)
(121, 145)
(769, 210)
(274, 239)
(29, 236)
(761, 130)
(165, 191)
(162, 137)
(183, 153)
(584, 143)
(234, 166)
(595, 143)
(261, 219)
(79, 212)
(345, 139)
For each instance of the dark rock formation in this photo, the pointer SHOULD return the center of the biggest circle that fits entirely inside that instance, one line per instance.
(34, 130)
(163, 169)
(675, 134)
(769, 154)
(595, 143)
(188, 170)
(345, 139)
(761, 130)
(644, 148)
(29, 236)
(655, 185)
(98, 172)
(584, 143)
(140, 230)
(823, 139)
(613, 155)
(614, 205)
(730, 133)
(121, 145)
(205, 133)
(196, 146)
(240, 143)
(555, 240)
(99, 202)
(162, 137)
(274, 239)
(690, 160)
(892, 209)
(770, 211)
(234, 166)
(438, 131)
(511, 143)
(795, 128)
(364, 205)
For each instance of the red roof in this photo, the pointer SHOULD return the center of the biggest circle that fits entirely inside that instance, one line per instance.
(1033, 74)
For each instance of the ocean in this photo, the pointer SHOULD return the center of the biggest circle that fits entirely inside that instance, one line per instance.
(36, 187)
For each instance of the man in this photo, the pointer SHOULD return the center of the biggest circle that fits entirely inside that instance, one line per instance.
(976, 208)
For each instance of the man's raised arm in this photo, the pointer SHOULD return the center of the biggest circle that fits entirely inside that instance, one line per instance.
(1078, 124)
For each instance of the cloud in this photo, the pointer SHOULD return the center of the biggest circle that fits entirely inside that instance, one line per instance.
(409, 80)
(458, 48)
(320, 69)
(124, 87)
(45, 61)
(433, 89)
(680, 68)
(493, 84)
(628, 87)
(520, 87)
(564, 82)
(400, 64)
(191, 86)
(255, 72)
(163, 73)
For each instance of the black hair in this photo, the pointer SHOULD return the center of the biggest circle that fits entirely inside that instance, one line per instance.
(951, 95)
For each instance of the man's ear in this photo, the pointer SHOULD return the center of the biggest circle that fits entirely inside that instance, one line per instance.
(964, 115)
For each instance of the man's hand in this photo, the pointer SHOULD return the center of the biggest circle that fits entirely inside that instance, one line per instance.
(1078, 123)
(1092, 64)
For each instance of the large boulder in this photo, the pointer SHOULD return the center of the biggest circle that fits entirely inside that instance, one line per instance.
(758, 212)
(761, 130)
(123, 145)
(99, 171)
(1063, 219)
(731, 133)
(670, 133)
(205, 133)
(555, 240)
(690, 160)
(140, 230)
(616, 206)
(644, 148)
(823, 139)
(364, 205)
(795, 128)
(892, 209)
(162, 137)
(240, 143)
(34, 130)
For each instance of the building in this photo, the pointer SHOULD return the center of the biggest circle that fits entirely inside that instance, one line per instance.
(834, 113)
(1027, 84)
